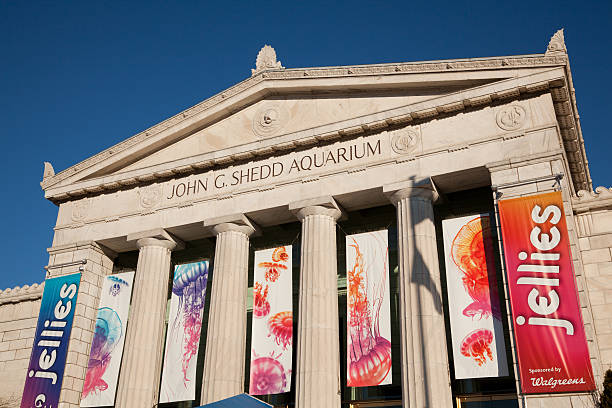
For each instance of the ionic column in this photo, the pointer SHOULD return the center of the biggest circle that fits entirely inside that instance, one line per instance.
(425, 374)
(226, 336)
(141, 366)
(318, 349)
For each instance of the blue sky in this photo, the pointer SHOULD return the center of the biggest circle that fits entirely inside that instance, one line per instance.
(78, 77)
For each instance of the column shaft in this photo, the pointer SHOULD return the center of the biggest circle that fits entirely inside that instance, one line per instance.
(226, 336)
(318, 351)
(425, 374)
(140, 374)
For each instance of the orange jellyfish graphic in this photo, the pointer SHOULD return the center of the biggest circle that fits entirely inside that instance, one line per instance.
(273, 268)
(472, 252)
(476, 345)
(261, 305)
(281, 328)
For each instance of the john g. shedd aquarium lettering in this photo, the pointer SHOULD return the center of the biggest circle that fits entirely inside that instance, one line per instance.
(301, 164)
(46, 370)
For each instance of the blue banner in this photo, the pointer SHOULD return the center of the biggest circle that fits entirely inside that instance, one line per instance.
(46, 370)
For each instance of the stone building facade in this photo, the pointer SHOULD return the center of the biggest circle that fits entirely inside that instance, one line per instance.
(305, 154)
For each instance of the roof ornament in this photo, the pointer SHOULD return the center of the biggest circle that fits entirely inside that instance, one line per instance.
(557, 43)
(266, 59)
(48, 172)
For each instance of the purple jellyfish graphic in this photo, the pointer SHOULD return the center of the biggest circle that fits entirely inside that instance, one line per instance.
(190, 287)
(117, 285)
(107, 335)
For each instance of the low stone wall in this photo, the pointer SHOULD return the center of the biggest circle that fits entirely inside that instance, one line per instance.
(19, 309)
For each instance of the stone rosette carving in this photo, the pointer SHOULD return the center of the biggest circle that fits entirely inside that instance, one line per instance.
(80, 209)
(266, 59)
(150, 196)
(405, 141)
(511, 117)
(269, 119)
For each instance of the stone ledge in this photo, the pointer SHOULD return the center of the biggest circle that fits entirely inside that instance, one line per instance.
(20, 294)
(586, 200)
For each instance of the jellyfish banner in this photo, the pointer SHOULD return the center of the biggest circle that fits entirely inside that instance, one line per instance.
(473, 300)
(368, 314)
(43, 382)
(183, 334)
(272, 329)
(550, 338)
(107, 346)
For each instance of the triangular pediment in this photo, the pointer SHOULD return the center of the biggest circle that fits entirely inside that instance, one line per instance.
(279, 109)
(280, 116)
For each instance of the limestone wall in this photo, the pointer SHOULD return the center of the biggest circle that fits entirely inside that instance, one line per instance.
(18, 317)
(594, 222)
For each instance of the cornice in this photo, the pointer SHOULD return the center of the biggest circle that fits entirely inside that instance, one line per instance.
(23, 293)
(457, 65)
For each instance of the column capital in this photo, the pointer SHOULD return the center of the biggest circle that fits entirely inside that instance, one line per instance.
(233, 222)
(420, 189)
(156, 237)
(325, 205)
(155, 242)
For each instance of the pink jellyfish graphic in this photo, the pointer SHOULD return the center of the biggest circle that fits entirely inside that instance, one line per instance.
(267, 376)
(107, 335)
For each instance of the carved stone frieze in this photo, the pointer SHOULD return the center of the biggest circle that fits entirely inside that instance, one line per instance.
(80, 210)
(406, 140)
(511, 117)
(150, 196)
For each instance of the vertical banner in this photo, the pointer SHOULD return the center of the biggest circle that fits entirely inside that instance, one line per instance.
(107, 346)
(46, 369)
(183, 334)
(272, 329)
(473, 300)
(368, 313)
(550, 339)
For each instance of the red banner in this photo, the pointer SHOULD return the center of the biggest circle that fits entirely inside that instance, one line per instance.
(550, 339)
